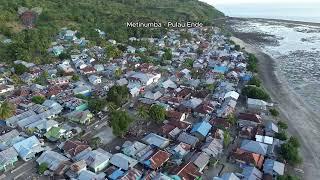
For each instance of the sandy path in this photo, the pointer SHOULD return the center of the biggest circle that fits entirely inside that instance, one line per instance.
(303, 122)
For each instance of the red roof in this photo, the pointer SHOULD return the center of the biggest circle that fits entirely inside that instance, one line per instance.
(187, 172)
(74, 147)
(174, 115)
(250, 117)
(158, 159)
(248, 157)
(220, 122)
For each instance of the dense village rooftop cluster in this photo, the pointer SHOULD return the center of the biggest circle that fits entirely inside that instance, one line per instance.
(195, 78)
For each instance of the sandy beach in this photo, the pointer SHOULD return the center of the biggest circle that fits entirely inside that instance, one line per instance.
(303, 122)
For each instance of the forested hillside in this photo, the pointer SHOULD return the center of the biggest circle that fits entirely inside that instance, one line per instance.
(86, 15)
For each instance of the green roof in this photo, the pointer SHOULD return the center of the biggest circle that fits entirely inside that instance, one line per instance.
(54, 132)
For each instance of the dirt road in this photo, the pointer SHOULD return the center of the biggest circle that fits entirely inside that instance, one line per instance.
(303, 122)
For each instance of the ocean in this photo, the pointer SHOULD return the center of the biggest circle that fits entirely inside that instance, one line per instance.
(296, 50)
(296, 12)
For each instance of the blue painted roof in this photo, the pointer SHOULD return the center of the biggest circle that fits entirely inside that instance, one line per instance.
(116, 174)
(220, 69)
(247, 77)
(202, 127)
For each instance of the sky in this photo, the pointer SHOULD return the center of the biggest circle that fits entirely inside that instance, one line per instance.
(300, 10)
(218, 2)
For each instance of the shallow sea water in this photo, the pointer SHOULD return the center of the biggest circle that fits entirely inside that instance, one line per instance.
(297, 54)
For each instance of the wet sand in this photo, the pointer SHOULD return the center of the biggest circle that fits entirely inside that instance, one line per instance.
(303, 122)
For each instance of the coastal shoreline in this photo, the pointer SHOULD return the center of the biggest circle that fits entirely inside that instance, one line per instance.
(303, 122)
(277, 20)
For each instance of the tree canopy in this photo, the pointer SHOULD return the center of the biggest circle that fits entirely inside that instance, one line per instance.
(255, 93)
(157, 113)
(120, 121)
(38, 99)
(7, 110)
(118, 95)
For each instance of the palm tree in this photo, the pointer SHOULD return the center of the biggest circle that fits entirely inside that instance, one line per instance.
(7, 110)
(143, 112)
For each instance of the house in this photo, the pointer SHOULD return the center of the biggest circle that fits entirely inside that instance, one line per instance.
(187, 171)
(73, 148)
(201, 160)
(227, 176)
(254, 146)
(220, 122)
(175, 116)
(6, 88)
(123, 161)
(245, 158)
(97, 159)
(213, 147)
(54, 134)
(272, 167)
(28, 148)
(156, 140)
(144, 78)
(201, 129)
(251, 173)
(188, 139)
(180, 150)
(82, 89)
(43, 126)
(57, 50)
(9, 139)
(169, 84)
(247, 119)
(59, 81)
(132, 174)
(53, 159)
(93, 79)
(153, 96)
(8, 158)
(256, 105)
(270, 128)
(76, 168)
(132, 148)
(232, 94)
(85, 175)
(81, 117)
(157, 159)
(264, 139)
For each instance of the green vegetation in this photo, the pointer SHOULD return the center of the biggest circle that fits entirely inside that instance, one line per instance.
(252, 63)
(157, 113)
(255, 93)
(290, 151)
(188, 63)
(232, 119)
(118, 95)
(42, 168)
(237, 47)
(282, 125)
(7, 110)
(95, 142)
(38, 99)
(274, 112)
(109, 16)
(75, 78)
(96, 104)
(226, 138)
(167, 54)
(20, 69)
(120, 121)
(42, 79)
(143, 112)
(288, 177)
(255, 81)
(282, 135)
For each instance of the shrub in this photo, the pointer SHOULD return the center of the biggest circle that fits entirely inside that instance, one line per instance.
(282, 135)
(255, 93)
(42, 168)
(255, 81)
(38, 99)
(282, 125)
(274, 112)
